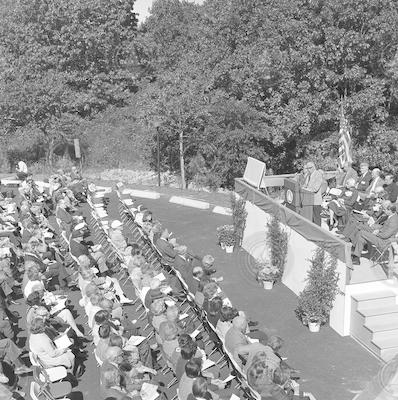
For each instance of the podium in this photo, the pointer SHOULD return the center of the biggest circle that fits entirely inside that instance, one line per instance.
(298, 199)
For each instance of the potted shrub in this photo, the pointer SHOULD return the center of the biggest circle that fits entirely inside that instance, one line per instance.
(277, 240)
(267, 273)
(316, 300)
(226, 237)
(239, 215)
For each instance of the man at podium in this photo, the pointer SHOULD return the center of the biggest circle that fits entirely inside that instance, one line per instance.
(313, 183)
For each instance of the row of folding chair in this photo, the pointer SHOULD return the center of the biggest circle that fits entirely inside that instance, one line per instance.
(226, 359)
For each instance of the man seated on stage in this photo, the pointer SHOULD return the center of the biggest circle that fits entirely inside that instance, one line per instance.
(379, 237)
(350, 173)
(391, 188)
(313, 183)
(368, 219)
(365, 177)
(376, 182)
(341, 207)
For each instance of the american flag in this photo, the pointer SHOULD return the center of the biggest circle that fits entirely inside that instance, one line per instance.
(344, 140)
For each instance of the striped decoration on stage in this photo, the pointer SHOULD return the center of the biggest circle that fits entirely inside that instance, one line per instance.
(344, 141)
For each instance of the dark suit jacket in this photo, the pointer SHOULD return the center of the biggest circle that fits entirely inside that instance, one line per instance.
(78, 249)
(350, 200)
(364, 181)
(392, 191)
(167, 250)
(389, 228)
(185, 268)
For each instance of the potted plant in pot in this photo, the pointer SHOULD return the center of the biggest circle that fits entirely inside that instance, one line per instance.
(277, 241)
(316, 300)
(226, 237)
(267, 273)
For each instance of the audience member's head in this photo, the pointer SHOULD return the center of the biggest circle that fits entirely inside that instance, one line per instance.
(227, 313)
(168, 331)
(188, 350)
(240, 323)
(114, 354)
(37, 326)
(207, 261)
(157, 307)
(210, 290)
(193, 368)
(104, 330)
(215, 306)
(101, 317)
(116, 340)
(275, 342)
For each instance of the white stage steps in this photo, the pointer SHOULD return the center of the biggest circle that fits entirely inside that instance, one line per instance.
(374, 322)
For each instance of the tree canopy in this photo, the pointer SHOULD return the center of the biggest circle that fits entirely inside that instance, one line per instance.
(222, 80)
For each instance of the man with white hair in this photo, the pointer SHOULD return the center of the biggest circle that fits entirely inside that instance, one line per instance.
(236, 337)
(376, 182)
(313, 183)
(365, 177)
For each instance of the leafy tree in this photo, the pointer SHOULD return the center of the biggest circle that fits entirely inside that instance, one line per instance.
(64, 61)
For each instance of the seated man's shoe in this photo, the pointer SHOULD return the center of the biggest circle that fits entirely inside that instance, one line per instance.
(22, 370)
(209, 271)
(125, 300)
(356, 260)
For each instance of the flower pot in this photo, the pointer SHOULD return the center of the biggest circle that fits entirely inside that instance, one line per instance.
(268, 285)
(314, 326)
(222, 246)
(229, 249)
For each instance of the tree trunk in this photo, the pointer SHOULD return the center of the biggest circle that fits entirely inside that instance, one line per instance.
(182, 162)
(50, 152)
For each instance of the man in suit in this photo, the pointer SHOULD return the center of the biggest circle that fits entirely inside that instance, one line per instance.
(313, 183)
(184, 266)
(65, 217)
(376, 182)
(364, 178)
(166, 247)
(391, 188)
(235, 336)
(378, 237)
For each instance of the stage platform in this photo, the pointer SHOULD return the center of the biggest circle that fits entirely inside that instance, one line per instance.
(361, 287)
